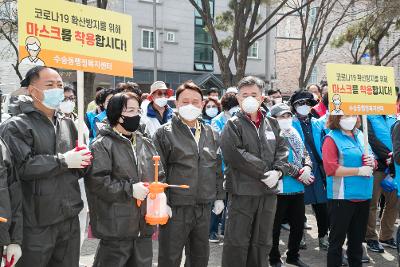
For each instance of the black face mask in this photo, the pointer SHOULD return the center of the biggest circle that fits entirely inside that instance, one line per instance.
(131, 124)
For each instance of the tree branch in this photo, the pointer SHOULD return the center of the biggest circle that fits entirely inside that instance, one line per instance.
(253, 39)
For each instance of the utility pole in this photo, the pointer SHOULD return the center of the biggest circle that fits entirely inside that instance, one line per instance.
(155, 39)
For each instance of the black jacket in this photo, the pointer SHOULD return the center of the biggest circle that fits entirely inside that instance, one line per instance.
(50, 190)
(396, 142)
(380, 150)
(114, 214)
(250, 152)
(10, 200)
(187, 163)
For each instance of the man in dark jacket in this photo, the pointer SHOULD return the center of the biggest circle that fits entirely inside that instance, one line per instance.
(188, 151)
(379, 137)
(255, 154)
(42, 145)
(10, 207)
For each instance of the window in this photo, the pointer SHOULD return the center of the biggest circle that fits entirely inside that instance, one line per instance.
(253, 51)
(203, 52)
(355, 45)
(313, 14)
(314, 47)
(170, 37)
(147, 39)
(198, 2)
(314, 78)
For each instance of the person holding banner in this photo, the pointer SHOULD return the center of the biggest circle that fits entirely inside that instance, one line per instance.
(188, 152)
(121, 166)
(379, 136)
(42, 142)
(349, 188)
(10, 208)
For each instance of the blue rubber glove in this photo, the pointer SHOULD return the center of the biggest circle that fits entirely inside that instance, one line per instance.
(388, 184)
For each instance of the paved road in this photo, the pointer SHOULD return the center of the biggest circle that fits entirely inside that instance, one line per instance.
(312, 256)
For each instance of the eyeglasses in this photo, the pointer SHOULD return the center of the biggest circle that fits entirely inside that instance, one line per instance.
(70, 98)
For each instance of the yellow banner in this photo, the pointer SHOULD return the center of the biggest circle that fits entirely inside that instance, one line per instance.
(68, 35)
(361, 90)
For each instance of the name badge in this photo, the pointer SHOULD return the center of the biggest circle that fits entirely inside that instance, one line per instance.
(270, 135)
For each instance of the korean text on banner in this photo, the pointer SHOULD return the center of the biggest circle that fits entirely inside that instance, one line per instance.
(361, 90)
(68, 35)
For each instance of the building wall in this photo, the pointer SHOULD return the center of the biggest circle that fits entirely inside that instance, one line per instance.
(288, 55)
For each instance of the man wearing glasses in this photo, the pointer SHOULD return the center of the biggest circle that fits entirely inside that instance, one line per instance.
(158, 112)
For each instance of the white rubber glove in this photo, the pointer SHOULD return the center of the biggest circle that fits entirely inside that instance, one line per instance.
(13, 250)
(78, 159)
(365, 171)
(305, 176)
(139, 191)
(169, 211)
(271, 178)
(218, 207)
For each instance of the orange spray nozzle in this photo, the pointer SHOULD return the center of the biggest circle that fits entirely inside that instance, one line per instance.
(157, 187)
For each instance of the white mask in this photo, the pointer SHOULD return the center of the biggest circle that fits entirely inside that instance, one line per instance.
(189, 112)
(33, 47)
(348, 123)
(250, 105)
(336, 102)
(212, 112)
(303, 110)
(67, 107)
(161, 102)
(278, 100)
(285, 124)
(233, 110)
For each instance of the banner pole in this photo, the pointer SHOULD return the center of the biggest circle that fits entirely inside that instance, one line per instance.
(81, 108)
(365, 132)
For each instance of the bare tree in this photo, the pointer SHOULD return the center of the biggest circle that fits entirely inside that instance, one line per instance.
(366, 36)
(244, 26)
(9, 32)
(318, 24)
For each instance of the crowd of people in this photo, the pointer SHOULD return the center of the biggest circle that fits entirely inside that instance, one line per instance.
(252, 160)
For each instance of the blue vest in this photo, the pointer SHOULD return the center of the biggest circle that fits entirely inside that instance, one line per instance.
(288, 184)
(350, 155)
(90, 117)
(322, 124)
(93, 117)
(219, 122)
(382, 128)
(316, 126)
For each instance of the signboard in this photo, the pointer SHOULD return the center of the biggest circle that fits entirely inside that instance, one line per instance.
(361, 90)
(68, 35)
